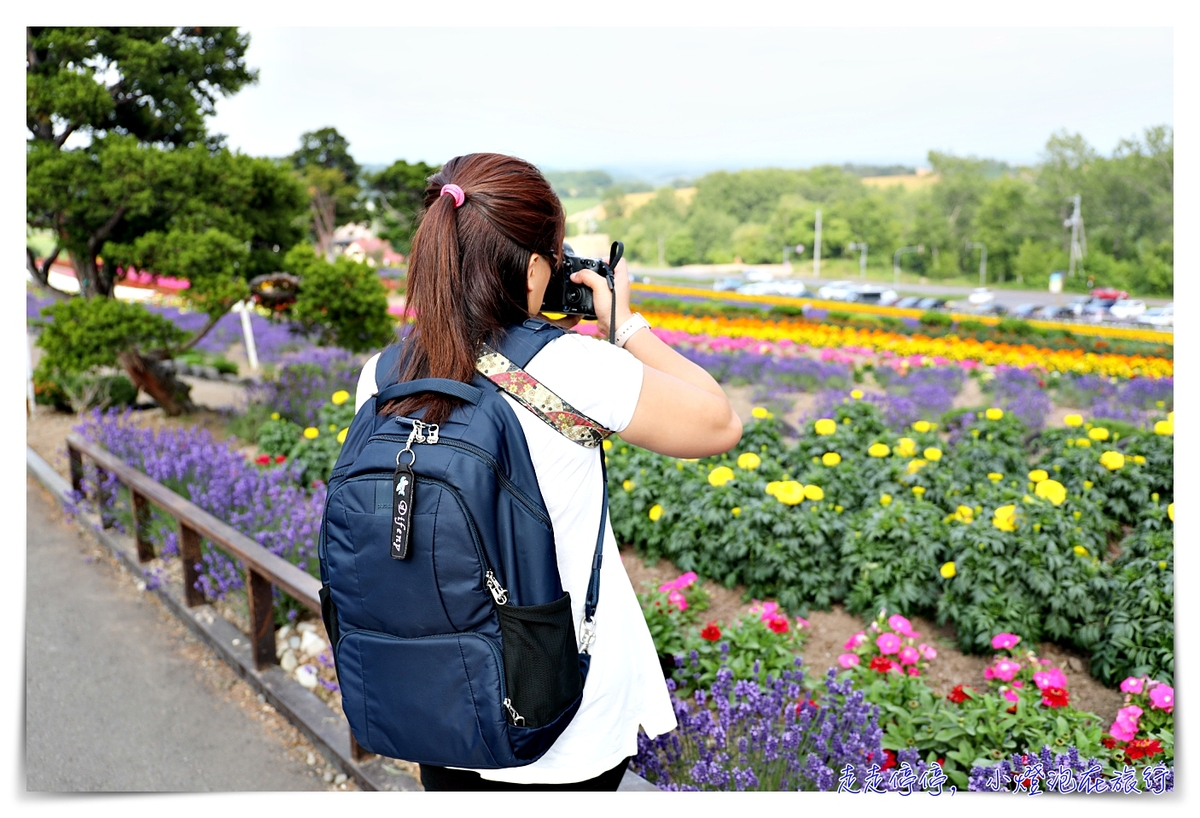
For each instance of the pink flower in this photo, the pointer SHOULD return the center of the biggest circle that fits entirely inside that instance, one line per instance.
(989, 673)
(801, 622)
(1011, 695)
(1131, 712)
(909, 655)
(1123, 729)
(1018, 684)
(1005, 669)
(1005, 641)
(677, 599)
(1162, 697)
(1049, 678)
(855, 640)
(1133, 685)
(686, 580)
(888, 643)
(927, 651)
(765, 610)
(848, 660)
(901, 626)
(912, 670)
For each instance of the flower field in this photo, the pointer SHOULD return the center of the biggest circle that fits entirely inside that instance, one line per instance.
(895, 494)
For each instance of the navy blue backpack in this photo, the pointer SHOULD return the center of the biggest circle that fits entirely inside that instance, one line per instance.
(453, 638)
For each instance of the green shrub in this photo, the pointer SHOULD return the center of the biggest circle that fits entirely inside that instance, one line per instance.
(935, 319)
(1015, 326)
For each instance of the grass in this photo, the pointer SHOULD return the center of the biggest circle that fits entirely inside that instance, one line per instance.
(573, 206)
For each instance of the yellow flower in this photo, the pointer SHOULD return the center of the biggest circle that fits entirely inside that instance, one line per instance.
(655, 512)
(1171, 416)
(333, 427)
(790, 493)
(735, 511)
(1162, 564)
(1087, 484)
(825, 426)
(845, 420)
(1004, 518)
(341, 438)
(340, 397)
(1141, 461)
(1164, 427)
(933, 454)
(885, 500)
(905, 447)
(838, 509)
(856, 394)
(995, 476)
(1112, 460)
(1080, 550)
(831, 458)
(760, 413)
(948, 570)
(749, 461)
(607, 445)
(1083, 441)
(312, 432)
(914, 466)
(814, 493)
(1052, 490)
(922, 426)
(720, 476)
(1160, 404)
(918, 490)
(965, 515)
(1073, 420)
(628, 485)
(1038, 475)
(1098, 433)
(879, 450)
(274, 416)
(1171, 512)
(994, 413)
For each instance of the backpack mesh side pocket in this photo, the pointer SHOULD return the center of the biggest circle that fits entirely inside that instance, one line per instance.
(541, 659)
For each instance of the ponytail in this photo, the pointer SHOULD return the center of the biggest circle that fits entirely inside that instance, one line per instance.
(468, 268)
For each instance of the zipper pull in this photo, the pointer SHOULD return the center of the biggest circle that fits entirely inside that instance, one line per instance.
(517, 718)
(493, 585)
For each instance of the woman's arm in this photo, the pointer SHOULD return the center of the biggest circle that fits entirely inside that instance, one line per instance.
(681, 411)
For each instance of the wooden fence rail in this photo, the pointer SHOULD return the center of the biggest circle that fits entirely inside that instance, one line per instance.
(264, 570)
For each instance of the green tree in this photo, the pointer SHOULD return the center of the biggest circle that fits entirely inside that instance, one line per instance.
(399, 191)
(342, 303)
(148, 184)
(331, 177)
(1002, 223)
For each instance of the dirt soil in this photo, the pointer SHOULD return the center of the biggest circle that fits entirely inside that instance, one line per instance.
(47, 430)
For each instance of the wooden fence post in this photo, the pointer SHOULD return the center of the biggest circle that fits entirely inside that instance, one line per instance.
(141, 524)
(75, 457)
(262, 619)
(189, 557)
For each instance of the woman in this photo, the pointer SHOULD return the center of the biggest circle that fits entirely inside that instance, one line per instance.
(481, 260)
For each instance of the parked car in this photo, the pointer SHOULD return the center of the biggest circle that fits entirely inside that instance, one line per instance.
(990, 309)
(795, 289)
(908, 302)
(1127, 309)
(758, 288)
(872, 294)
(835, 290)
(1097, 309)
(1109, 294)
(1053, 313)
(931, 303)
(1158, 316)
(728, 284)
(1076, 304)
(981, 295)
(1024, 310)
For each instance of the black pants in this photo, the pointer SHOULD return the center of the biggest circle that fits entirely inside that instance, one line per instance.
(444, 779)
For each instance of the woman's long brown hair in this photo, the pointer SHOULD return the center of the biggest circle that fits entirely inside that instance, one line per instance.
(468, 268)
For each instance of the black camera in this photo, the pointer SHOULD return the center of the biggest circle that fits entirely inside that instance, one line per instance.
(565, 296)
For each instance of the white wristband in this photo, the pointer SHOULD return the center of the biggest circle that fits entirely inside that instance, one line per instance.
(634, 323)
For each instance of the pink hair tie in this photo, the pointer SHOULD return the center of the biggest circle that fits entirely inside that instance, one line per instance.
(456, 192)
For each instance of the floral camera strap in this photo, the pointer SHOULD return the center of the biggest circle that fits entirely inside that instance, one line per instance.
(555, 412)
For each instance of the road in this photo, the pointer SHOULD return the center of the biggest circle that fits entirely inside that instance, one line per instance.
(112, 704)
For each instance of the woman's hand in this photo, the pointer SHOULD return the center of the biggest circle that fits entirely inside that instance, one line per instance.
(602, 298)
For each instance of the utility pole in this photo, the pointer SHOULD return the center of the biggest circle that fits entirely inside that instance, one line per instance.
(817, 248)
(862, 259)
(982, 260)
(1078, 240)
(919, 250)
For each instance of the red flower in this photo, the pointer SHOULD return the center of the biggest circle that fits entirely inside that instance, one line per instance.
(263, 459)
(1055, 697)
(279, 458)
(1143, 747)
(881, 664)
(959, 694)
(1110, 742)
(889, 760)
(711, 632)
(779, 624)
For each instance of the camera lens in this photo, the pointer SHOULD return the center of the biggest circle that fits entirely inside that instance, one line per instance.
(573, 296)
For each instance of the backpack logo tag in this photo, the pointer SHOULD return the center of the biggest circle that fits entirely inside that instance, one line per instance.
(403, 484)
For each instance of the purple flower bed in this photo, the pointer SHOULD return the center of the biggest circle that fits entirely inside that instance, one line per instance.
(773, 376)
(1134, 400)
(1022, 392)
(306, 379)
(265, 504)
(34, 302)
(743, 736)
(272, 339)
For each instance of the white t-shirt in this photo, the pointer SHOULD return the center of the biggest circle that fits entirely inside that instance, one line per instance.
(625, 686)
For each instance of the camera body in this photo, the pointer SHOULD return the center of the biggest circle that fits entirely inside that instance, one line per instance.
(565, 296)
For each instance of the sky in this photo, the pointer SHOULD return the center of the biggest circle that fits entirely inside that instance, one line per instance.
(659, 102)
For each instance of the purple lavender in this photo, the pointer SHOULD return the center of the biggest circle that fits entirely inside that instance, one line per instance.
(306, 379)
(1023, 393)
